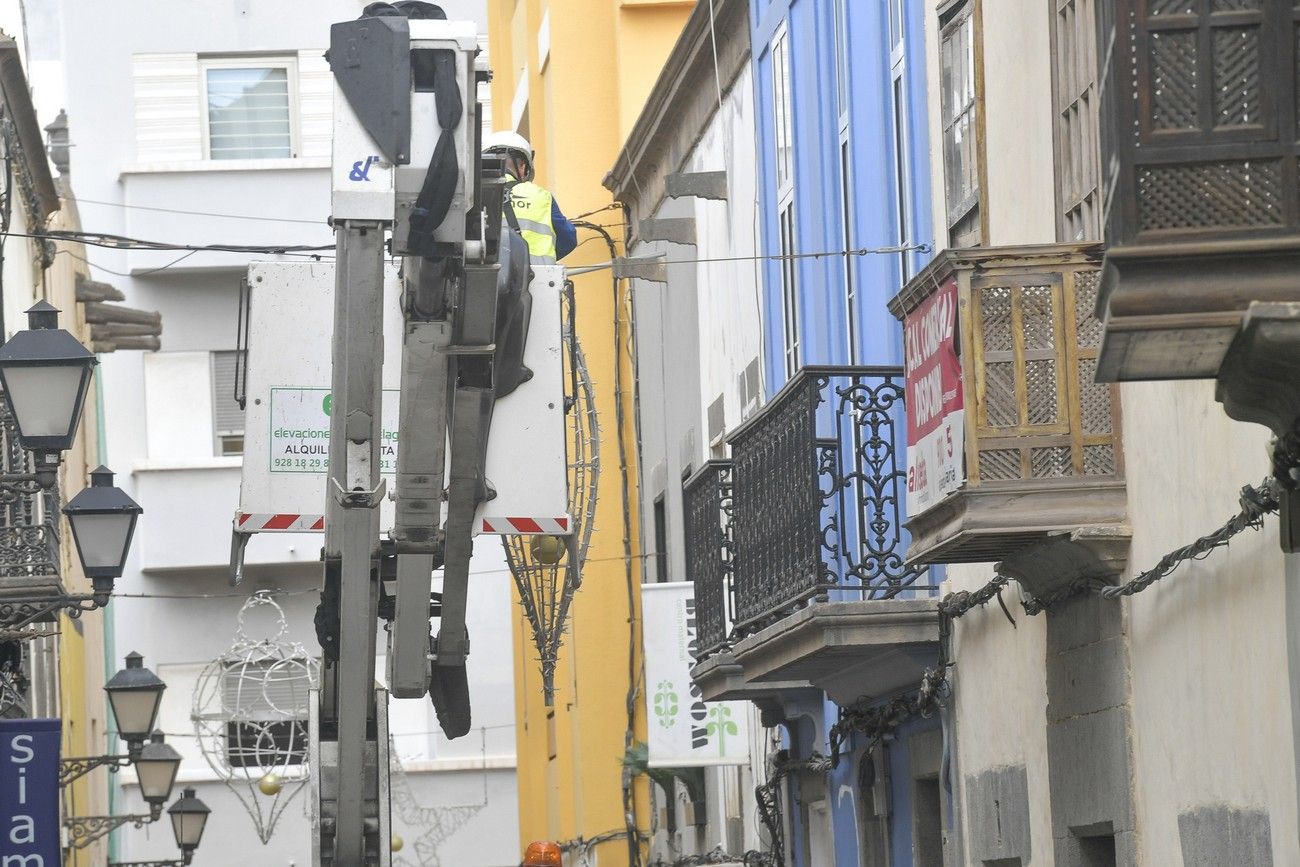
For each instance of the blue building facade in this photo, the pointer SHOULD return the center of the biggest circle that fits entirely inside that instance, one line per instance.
(844, 166)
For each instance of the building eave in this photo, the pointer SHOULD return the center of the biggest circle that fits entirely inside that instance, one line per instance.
(18, 102)
(682, 102)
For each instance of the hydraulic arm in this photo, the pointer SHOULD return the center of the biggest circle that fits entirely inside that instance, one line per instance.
(409, 183)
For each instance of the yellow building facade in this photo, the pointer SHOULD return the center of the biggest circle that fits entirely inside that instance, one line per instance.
(572, 76)
(64, 660)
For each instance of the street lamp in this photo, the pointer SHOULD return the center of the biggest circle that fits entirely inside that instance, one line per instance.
(189, 815)
(45, 373)
(103, 520)
(156, 769)
(134, 694)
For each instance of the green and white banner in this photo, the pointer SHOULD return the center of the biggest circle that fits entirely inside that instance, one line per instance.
(685, 730)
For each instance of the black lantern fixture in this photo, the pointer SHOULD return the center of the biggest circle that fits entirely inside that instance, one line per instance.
(45, 373)
(189, 815)
(103, 521)
(156, 769)
(134, 694)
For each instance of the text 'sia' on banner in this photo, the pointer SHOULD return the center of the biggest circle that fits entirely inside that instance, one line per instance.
(29, 792)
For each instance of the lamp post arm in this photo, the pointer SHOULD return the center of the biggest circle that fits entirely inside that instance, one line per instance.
(14, 486)
(78, 766)
(15, 614)
(84, 830)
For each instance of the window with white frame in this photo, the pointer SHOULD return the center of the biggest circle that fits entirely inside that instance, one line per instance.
(783, 104)
(1074, 96)
(960, 122)
(842, 60)
(902, 157)
(846, 175)
(789, 289)
(783, 111)
(249, 107)
(227, 414)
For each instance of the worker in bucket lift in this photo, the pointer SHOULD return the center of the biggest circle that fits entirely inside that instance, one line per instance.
(549, 233)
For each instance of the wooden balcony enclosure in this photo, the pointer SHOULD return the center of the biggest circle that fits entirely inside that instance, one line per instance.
(1200, 124)
(1042, 455)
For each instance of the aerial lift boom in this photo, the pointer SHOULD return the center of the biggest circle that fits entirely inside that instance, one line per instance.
(408, 182)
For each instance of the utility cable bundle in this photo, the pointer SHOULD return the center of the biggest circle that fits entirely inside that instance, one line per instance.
(878, 722)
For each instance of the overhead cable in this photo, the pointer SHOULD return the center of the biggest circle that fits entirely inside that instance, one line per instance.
(184, 212)
(123, 242)
(775, 257)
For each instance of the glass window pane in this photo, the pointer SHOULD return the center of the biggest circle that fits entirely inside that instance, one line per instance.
(958, 107)
(895, 21)
(783, 111)
(841, 57)
(248, 113)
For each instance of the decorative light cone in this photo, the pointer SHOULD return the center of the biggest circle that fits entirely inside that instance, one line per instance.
(156, 769)
(546, 549)
(134, 694)
(396, 843)
(270, 784)
(189, 815)
(45, 373)
(103, 521)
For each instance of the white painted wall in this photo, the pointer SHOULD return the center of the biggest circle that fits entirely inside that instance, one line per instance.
(138, 173)
(1211, 698)
(730, 293)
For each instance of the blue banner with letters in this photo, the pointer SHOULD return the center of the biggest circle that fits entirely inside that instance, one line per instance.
(29, 792)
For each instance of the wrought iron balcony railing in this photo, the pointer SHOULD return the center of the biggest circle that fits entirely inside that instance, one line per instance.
(817, 496)
(1200, 143)
(29, 529)
(706, 504)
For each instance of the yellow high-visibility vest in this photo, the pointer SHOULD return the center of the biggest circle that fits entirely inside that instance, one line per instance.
(532, 206)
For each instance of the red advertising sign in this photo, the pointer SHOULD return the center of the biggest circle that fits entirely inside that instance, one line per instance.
(935, 409)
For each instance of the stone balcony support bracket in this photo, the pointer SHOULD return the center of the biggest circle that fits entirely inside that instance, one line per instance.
(847, 649)
(1258, 383)
(721, 678)
(1093, 552)
(675, 230)
(701, 185)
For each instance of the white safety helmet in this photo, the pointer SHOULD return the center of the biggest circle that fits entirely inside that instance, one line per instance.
(511, 142)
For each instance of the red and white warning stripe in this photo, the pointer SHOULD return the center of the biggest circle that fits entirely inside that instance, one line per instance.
(281, 523)
(561, 526)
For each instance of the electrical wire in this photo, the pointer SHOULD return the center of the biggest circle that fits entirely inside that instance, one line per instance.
(611, 206)
(124, 242)
(776, 257)
(634, 670)
(175, 261)
(277, 593)
(81, 201)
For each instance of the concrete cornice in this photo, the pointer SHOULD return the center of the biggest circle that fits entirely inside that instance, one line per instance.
(681, 104)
